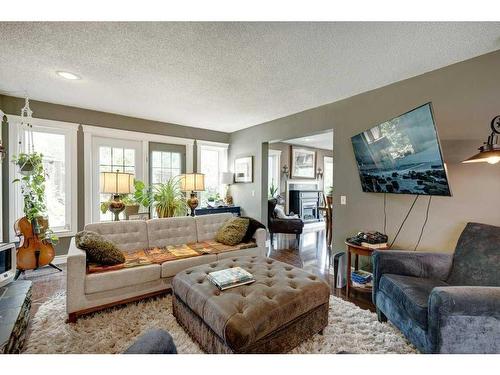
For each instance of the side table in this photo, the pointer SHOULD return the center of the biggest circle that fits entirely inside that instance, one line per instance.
(357, 251)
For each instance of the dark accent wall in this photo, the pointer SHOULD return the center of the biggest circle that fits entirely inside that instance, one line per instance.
(12, 106)
(465, 99)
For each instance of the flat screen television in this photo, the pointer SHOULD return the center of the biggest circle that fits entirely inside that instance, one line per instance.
(402, 156)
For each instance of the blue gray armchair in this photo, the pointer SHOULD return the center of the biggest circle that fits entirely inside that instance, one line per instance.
(444, 303)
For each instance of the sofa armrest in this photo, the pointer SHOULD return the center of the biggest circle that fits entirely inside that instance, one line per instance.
(410, 263)
(76, 268)
(465, 319)
(260, 236)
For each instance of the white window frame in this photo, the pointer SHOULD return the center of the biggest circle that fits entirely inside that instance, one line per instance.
(69, 130)
(325, 188)
(222, 149)
(90, 132)
(97, 142)
(277, 155)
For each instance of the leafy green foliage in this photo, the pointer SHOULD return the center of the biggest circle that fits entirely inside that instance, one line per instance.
(273, 190)
(168, 198)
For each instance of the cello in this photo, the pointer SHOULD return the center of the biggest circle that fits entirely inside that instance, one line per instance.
(33, 252)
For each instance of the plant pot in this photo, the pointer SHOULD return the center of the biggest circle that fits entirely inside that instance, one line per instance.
(26, 169)
(132, 209)
(329, 199)
(163, 213)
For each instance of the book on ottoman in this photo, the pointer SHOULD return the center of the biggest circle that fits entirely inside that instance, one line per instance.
(230, 278)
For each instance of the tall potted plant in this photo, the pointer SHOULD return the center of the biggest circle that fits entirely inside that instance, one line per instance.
(168, 199)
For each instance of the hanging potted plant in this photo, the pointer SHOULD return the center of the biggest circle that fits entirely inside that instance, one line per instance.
(27, 162)
(32, 185)
(168, 199)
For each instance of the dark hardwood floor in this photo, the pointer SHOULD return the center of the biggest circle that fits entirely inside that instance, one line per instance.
(312, 255)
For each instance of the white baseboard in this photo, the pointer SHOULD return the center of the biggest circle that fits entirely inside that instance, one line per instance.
(60, 259)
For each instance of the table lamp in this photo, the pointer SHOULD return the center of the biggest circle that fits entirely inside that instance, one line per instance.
(227, 178)
(193, 182)
(116, 183)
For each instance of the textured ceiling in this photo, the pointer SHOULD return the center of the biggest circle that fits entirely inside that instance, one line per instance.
(224, 76)
(323, 141)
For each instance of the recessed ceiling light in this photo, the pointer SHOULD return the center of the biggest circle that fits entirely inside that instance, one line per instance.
(68, 75)
(307, 140)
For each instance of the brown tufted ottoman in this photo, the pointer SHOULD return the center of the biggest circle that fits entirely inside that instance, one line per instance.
(285, 306)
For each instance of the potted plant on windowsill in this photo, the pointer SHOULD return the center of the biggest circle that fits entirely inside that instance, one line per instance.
(168, 199)
(141, 197)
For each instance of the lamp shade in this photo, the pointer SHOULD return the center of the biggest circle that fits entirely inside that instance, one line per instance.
(226, 178)
(116, 182)
(193, 182)
(488, 156)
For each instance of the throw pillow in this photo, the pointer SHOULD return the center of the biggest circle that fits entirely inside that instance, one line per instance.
(99, 250)
(280, 213)
(233, 231)
(253, 225)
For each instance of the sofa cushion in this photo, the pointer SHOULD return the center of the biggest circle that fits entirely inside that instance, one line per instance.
(173, 267)
(253, 225)
(410, 293)
(100, 282)
(232, 231)
(98, 249)
(476, 261)
(126, 235)
(171, 231)
(208, 225)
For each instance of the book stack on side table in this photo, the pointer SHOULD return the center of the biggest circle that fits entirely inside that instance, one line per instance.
(230, 278)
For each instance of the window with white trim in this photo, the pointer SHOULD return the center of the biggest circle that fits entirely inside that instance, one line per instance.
(274, 170)
(212, 162)
(111, 155)
(327, 173)
(57, 143)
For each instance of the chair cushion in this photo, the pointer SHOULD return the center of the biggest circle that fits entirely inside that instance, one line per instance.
(100, 282)
(171, 231)
(411, 294)
(208, 225)
(126, 235)
(476, 261)
(253, 225)
(98, 249)
(232, 231)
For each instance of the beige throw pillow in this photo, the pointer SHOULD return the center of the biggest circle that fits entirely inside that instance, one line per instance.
(233, 231)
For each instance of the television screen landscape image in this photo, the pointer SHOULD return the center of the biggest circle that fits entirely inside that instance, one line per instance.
(402, 155)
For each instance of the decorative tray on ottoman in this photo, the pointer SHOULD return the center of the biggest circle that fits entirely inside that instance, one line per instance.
(283, 307)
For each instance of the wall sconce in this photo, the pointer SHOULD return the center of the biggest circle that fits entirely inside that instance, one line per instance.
(490, 151)
(319, 173)
(285, 172)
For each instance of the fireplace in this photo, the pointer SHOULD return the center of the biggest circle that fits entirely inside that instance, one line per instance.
(305, 203)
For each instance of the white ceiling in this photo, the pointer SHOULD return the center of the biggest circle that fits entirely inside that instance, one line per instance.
(225, 76)
(323, 141)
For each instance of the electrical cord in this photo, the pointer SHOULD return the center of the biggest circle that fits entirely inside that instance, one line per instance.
(403, 223)
(425, 222)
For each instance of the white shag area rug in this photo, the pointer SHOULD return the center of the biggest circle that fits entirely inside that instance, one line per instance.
(350, 329)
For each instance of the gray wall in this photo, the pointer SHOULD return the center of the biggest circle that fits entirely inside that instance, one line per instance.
(465, 98)
(12, 105)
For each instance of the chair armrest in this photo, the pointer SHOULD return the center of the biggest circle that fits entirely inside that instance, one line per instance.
(260, 239)
(410, 263)
(76, 268)
(465, 319)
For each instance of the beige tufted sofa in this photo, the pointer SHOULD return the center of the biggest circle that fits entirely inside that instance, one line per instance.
(91, 292)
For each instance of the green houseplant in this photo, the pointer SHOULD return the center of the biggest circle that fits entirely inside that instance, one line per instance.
(32, 185)
(168, 199)
(273, 190)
